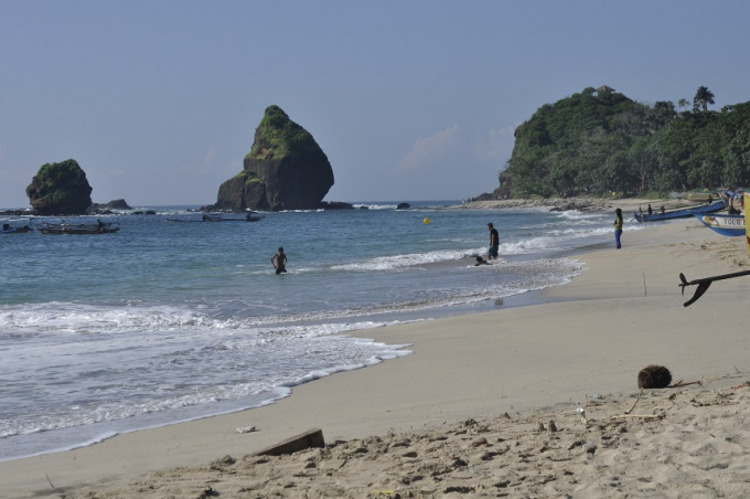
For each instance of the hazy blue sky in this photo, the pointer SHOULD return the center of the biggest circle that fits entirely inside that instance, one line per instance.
(158, 100)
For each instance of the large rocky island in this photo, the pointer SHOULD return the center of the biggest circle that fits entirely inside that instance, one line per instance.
(284, 170)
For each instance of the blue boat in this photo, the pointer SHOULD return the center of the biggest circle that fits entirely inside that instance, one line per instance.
(726, 225)
(680, 213)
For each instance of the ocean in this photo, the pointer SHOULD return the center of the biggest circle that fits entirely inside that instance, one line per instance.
(173, 319)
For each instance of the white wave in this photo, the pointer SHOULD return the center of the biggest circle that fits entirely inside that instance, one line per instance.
(376, 206)
(66, 318)
(405, 260)
(581, 215)
(60, 317)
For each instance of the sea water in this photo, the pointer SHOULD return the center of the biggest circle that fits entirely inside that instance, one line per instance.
(172, 318)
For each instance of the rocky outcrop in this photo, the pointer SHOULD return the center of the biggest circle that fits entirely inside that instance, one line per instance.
(59, 189)
(106, 208)
(118, 204)
(284, 170)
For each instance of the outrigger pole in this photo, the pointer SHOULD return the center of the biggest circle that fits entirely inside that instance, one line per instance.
(704, 283)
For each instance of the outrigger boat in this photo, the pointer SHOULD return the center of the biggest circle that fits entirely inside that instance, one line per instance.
(66, 228)
(726, 225)
(680, 213)
(10, 229)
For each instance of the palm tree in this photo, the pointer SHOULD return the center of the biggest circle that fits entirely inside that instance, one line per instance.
(703, 97)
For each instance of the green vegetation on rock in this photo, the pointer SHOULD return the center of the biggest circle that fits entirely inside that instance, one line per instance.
(249, 176)
(599, 141)
(279, 137)
(284, 170)
(60, 188)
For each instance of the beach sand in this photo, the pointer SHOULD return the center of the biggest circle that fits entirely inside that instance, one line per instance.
(488, 404)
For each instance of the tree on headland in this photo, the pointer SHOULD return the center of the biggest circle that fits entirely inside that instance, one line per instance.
(597, 144)
(703, 97)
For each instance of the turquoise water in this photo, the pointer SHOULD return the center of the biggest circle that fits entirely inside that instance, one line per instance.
(167, 321)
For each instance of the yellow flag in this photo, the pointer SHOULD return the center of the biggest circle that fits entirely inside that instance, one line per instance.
(747, 219)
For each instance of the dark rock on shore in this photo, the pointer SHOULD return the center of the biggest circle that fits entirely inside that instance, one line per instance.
(284, 170)
(336, 205)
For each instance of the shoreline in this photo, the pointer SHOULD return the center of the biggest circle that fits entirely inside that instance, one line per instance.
(515, 360)
(580, 203)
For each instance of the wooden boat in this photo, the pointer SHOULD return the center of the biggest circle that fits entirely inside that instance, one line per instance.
(250, 217)
(66, 228)
(11, 229)
(680, 213)
(726, 225)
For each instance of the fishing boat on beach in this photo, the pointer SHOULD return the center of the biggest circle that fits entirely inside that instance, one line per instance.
(726, 225)
(656, 216)
(81, 228)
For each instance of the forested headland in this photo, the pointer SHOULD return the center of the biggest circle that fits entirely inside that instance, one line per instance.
(600, 142)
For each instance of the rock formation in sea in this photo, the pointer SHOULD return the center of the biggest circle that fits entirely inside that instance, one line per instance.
(59, 189)
(106, 208)
(284, 170)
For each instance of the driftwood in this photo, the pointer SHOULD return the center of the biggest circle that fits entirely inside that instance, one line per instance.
(637, 416)
(634, 403)
(306, 440)
(681, 383)
(704, 282)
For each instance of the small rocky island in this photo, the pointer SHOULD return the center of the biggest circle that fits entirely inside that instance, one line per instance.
(284, 170)
(63, 189)
(60, 189)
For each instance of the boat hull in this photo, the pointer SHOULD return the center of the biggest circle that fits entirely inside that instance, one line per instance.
(78, 229)
(726, 225)
(681, 213)
(17, 230)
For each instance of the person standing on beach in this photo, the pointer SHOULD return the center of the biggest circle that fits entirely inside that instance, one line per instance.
(618, 226)
(494, 242)
(279, 261)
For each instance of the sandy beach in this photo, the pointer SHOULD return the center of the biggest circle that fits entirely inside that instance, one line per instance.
(528, 401)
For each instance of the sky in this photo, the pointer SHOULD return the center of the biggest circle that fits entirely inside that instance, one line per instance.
(411, 100)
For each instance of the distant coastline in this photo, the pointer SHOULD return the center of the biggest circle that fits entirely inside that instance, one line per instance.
(587, 204)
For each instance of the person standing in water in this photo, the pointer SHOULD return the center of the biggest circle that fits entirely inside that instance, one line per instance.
(494, 242)
(279, 261)
(618, 227)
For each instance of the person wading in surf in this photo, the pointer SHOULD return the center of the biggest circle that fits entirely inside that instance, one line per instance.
(494, 242)
(279, 261)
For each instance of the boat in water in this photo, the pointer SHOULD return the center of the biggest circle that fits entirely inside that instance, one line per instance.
(249, 217)
(726, 225)
(656, 216)
(81, 228)
(219, 217)
(9, 228)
